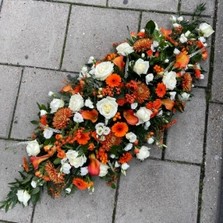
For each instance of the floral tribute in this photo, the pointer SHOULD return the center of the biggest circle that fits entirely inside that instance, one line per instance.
(112, 111)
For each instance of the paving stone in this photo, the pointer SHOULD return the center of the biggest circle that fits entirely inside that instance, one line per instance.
(83, 41)
(32, 33)
(10, 164)
(88, 2)
(159, 5)
(79, 207)
(158, 192)
(212, 182)
(10, 77)
(189, 6)
(185, 138)
(217, 87)
(35, 86)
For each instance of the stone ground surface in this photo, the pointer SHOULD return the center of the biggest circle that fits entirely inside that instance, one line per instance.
(43, 41)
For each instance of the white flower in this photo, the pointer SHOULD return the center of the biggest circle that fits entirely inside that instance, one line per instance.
(169, 79)
(205, 29)
(183, 38)
(76, 102)
(33, 148)
(33, 184)
(201, 76)
(65, 168)
(128, 147)
(150, 140)
(125, 166)
(23, 196)
(172, 95)
(50, 94)
(55, 104)
(107, 107)
(143, 114)
(202, 39)
(74, 158)
(88, 103)
(134, 105)
(166, 60)
(78, 118)
(176, 51)
(149, 77)
(176, 25)
(84, 171)
(68, 190)
(187, 34)
(147, 124)
(84, 69)
(43, 112)
(91, 60)
(143, 153)
(131, 136)
(173, 18)
(106, 130)
(184, 96)
(103, 170)
(124, 49)
(141, 66)
(103, 70)
(180, 19)
(47, 133)
(117, 164)
(112, 156)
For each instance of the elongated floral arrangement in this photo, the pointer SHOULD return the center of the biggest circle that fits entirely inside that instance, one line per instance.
(112, 111)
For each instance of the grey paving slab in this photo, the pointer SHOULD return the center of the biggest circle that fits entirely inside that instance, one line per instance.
(88, 2)
(10, 78)
(80, 207)
(34, 88)
(92, 32)
(185, 138)
(160, 5)
(217, 87)
(188, 6)
(32, 33)
(213, 175)
(158, 192)
(11, 160)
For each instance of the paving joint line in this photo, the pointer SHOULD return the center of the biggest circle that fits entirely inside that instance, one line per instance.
(13, 139)
(65, 37)
(163, 154)
(208, 97)
(4, 221)
(107, 3)
(179, 7)
(140, 21)
(16, 102)
(116, 200)
(33, 213)
(216, 102)
(1, 6)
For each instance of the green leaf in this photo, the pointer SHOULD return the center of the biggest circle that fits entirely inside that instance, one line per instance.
(35, 191)
(57, 161)
(150, 27)
(34, 122)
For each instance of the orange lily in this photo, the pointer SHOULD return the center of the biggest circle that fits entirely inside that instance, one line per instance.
(130, 117)
(37, 160)
(168, 104)
(94, 166)
(90, 115)
(182, 59)
(118, 61)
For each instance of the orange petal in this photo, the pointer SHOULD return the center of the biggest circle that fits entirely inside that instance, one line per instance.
(67, 88)
(130, 117)
(94, 166)
(182, 59)
(90, 115)
(168, 104)
(37, 160)
(118, 61)
(165, 32)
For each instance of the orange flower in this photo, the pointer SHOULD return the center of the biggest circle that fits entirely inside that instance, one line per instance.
(61, 118)
(91, 115)
(82, 137)
(93, 166)
(182, 59)
(166, 32)
(168, 104)
(113, 80)
(121, 101)
(68, 88)
(130, 117)
(80, 183)
(25, 164)
(120, 129)
(142, 45)
(142, 92)
(37, 160)
(118, 61)
(160, 90)
(187, 82)
(43, 120)
(157, 104)
(110, 56)
(125, 158)
(102, 156)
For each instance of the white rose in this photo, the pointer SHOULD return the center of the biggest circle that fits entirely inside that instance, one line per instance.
(143, 114)
(141, 66)
(65, 168)
(103, 70)
(76, 102)
(78, 118)
(107, 107)
(131, 137)
(124, 49)
(143, 153)
(88, 103)
(103, 170)
(84, 171)
(205, 29)
(33, 148)
(23, 196)
(47, 133)
(128, 147)
(169, 79)
(55, 104)
(183, 38)
(149, 77)
(74, 158)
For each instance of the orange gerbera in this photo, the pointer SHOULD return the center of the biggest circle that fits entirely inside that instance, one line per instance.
(160, 90)
(187, 82)
(120, 129)
(142, 92)
(62, 118)
(142, 45)
(125, 158)
(113, 80)
(82, 137)
(90, 115)
(182, 59)
(80, 183)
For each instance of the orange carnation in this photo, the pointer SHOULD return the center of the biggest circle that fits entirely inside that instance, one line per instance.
(82, 137)
(80, 183)
(120, 129)
(113, 80)
(187, 82)
(62, 118)
(160, 90)
(125, 158)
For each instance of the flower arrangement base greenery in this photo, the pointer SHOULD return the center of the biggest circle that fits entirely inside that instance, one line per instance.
(112, 111)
